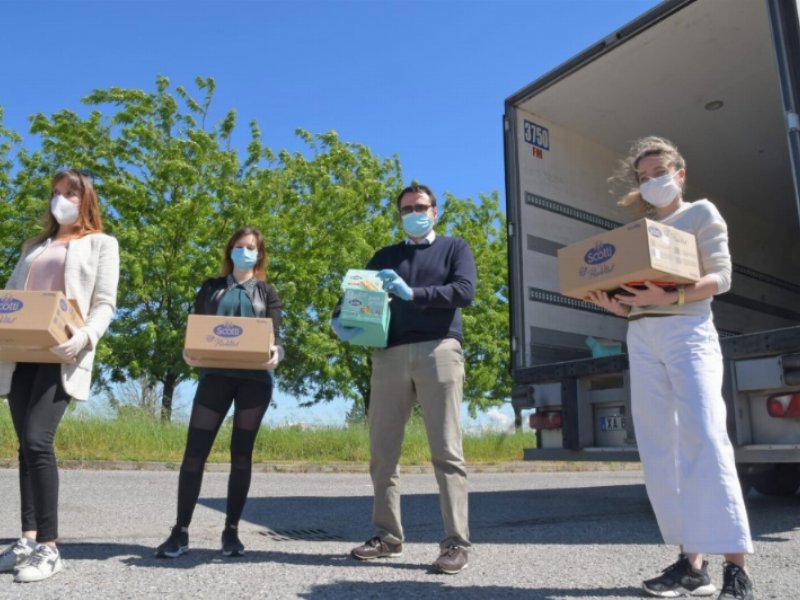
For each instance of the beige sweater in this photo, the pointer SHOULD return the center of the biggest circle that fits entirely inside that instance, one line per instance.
(91, 275)
(711, 232)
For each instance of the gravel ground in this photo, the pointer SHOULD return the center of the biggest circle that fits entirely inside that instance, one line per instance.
(537, 535)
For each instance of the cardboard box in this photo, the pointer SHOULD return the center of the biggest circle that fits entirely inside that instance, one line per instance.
(33, 322)
(217, 341)
(644, 250)
(366, 305)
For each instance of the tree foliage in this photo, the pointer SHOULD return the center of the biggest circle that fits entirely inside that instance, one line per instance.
(17, 212)
(174, 188)
(486, 325)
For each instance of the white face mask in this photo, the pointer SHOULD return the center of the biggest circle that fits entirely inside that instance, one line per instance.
(660, 191)
(64, 211)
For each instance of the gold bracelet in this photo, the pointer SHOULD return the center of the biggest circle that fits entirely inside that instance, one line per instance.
(681, 294)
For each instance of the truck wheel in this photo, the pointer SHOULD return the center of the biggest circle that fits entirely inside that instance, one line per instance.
(746, 483)
(748, 475)
(783, 480)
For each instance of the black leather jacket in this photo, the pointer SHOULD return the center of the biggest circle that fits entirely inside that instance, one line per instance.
(266, 303)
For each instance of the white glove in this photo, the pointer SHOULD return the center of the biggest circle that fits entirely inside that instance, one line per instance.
(276, 355)
(77, 342)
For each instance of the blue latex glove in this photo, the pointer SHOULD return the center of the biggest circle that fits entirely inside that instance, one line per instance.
(394, 284)
(345, 333)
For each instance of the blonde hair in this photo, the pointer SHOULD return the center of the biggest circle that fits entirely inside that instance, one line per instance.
(627, 172)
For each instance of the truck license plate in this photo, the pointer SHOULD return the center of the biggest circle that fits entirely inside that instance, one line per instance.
(612, 423)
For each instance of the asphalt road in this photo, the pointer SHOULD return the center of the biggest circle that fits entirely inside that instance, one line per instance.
(537, 536)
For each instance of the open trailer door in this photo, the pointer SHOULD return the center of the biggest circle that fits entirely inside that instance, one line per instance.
(785, 23)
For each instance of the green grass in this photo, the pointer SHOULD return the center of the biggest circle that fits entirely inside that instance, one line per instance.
(139, 438)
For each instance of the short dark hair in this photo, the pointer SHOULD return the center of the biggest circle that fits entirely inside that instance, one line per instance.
(416, 188)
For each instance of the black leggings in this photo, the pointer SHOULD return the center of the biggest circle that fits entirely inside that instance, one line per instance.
(37, 401)
(213, 399)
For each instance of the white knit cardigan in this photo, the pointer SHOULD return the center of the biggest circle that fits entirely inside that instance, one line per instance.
(91, 275)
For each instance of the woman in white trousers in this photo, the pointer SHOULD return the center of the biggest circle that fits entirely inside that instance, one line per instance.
(676, 388)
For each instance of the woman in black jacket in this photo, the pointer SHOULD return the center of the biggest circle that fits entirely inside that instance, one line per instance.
(240, 291)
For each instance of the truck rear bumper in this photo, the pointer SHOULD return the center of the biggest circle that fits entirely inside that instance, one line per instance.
(587, 454)
(762, 453)
(768, 453)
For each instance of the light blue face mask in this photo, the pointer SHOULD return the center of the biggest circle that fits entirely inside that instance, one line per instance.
(418, 225)
(244, 259)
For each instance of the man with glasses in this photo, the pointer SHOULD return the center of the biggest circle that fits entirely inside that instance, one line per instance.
(431, 278)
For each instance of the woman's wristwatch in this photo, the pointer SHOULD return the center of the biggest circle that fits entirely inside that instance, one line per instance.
(681, 295)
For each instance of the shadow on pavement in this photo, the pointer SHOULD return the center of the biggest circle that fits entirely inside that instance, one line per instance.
(417, 589)
(619, 514)
(138, 556)
(615, 514)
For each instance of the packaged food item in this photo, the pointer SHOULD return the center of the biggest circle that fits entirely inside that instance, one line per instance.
(365, 305)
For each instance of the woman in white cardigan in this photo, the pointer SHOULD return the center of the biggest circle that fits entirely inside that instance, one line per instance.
(73, 256)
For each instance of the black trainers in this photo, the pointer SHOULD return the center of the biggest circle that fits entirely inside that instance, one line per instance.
(681, 579)
(377, 548)
(177, 543)
(736, 585)
(231, 545)
(452, 560)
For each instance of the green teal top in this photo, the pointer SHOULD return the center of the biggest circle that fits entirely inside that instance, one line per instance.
(236, 303)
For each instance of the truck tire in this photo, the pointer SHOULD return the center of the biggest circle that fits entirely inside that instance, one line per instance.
(749, 474)
(783, 480)
(746, 483)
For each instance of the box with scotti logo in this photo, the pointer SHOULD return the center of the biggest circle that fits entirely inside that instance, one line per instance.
(641, 251)
(33, 322)
(222, 342)
(365, 305)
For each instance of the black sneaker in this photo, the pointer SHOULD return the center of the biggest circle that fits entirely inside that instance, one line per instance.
(452, 560)
(231, 545)
(177, 543)
(377, 548)
(736, 585)
(681, 579)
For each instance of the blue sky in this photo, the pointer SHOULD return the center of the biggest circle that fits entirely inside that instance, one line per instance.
(424, 80)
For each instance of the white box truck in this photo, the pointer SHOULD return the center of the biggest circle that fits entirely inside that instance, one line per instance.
(720, 78)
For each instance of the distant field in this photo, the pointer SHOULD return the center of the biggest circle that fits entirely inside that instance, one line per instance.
(145, 439)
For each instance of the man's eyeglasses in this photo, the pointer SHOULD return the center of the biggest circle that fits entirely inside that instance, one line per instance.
(417, 208)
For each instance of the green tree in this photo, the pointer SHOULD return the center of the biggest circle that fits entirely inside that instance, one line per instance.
(168, 183)
(486, 320)
(174, 187)
(17, 215)
(343, 370)
(324, 213)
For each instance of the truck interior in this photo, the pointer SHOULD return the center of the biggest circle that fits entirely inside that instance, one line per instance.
(704, 75)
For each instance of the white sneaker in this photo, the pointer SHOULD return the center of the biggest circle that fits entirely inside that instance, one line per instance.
(43, 563)
(16, 554)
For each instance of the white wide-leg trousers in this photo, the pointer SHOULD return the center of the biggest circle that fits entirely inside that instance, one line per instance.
(679, 416)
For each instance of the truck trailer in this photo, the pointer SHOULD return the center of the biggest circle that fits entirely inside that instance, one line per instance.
(722, 81)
